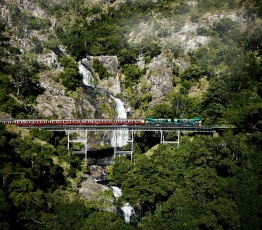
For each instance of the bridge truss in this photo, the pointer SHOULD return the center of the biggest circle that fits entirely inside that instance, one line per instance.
(163, 130)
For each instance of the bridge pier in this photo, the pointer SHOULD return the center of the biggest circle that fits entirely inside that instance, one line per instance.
(83, 141)
(69, 129)
(163, 141)
(125, 152)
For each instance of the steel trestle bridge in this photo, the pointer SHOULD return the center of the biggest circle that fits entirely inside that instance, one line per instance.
(162, 129)
(150, 128)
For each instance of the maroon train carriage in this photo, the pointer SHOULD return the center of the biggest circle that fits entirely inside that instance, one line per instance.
(63, 122)
(31, 122)
(120, 121)
(117, 121)
(7, 121)
(97, 121)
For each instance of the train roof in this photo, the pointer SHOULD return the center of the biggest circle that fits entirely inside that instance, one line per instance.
(7, 119)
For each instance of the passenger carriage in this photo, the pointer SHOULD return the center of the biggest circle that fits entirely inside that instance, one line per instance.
(31, 122)
(7, 121)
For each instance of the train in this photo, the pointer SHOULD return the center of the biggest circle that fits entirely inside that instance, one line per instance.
(176, 121)
(110, 121)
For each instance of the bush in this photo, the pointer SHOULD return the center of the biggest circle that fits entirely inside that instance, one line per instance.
(132, 74)
(100, 69)
(70, 78)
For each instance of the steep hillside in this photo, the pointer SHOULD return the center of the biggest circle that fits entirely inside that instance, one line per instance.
(155, 42)
(163, 59)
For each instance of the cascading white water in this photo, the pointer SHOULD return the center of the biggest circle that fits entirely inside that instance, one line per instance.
(127, 209)
(117, 191)
(87, 76)
(120, 137)
(121, 112)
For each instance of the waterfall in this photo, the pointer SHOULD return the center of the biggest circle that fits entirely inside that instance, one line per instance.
(117, 191)
(120, 109)
(87, 76)
(126, 209)
(120, 137)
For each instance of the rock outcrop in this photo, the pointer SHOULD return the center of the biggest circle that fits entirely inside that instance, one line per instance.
(89, 187)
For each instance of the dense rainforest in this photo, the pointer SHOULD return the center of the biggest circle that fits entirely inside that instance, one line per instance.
(206, 183)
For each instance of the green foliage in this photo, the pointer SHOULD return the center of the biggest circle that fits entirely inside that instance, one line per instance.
(24, 76)
(4, 45)
(139, 99)
(14, 50)
(98, 38)
(253, 40)
(183, 106)
(7, 103)
(154, 180)
(193, 72)
(37, 23)
(42, 134)
(34, 193)
(150, 48)
(68, 62)
(105, 220)
(203, 184)
(121, 166)
(100, 69)
(71, 214)
(70, 77)
(211, 4)
(127, 56)
(160, 111)
(132, 74)
(16, 14)
(53, 44)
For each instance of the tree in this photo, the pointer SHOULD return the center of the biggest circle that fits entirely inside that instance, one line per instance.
(132, 74)
(127, 56)
(160, 111)
(100, 69)
(180, 211)
(121, 167)
(105, 220)
(71, 215)
(151, 179)
(70, 78)
(24, 75)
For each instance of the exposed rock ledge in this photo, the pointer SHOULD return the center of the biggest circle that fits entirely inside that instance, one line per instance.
(55, 103)
(89, 187)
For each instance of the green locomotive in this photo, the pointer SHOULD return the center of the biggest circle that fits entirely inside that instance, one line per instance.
(176, 121)
(188, 122)
(158, 121)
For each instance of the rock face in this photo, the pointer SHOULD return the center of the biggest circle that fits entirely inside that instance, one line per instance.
(113, 83)
(50, 59)
(179, 32)
(4, 13)
(160, 79)
(98, 172)
(89, 187)
(55, 103)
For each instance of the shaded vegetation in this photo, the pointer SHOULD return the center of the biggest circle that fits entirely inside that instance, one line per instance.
(207, 183)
